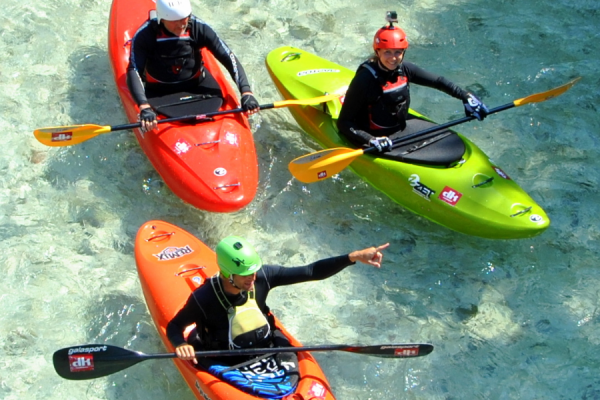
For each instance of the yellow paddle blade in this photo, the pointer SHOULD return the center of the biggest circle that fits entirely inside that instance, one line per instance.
(68, 135)
(539, 97)
(322, 164)
(306, 102)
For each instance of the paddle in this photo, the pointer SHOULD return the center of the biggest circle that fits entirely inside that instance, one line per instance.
(91, 361)
(75, 134)
(324, 164)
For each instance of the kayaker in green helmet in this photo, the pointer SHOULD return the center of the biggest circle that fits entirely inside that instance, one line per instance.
(166, 67)
(375, 109)
(230, 309)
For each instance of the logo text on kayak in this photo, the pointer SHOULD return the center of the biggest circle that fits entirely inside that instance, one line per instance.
(182, 147)
(420, 188)
(501, 173)
(317, 71)
(317, 391)
(450, 196)
(171, 253)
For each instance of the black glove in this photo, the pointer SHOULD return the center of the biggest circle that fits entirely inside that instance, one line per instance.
(475, 107)
(249, 103)
(147, 115)
(359, 136)
(382, 143)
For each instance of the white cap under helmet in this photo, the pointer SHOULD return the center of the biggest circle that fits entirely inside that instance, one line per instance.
(173, 10)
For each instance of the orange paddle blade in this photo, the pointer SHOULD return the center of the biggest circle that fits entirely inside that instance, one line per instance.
(539, 97)
(68, 135)
(322, 164)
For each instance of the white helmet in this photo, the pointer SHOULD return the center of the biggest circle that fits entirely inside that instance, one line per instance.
(173, 10)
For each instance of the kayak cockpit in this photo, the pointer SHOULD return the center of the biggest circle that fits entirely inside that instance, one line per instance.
(438, 148)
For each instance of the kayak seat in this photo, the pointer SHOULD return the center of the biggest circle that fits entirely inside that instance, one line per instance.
(441, 148)
(185, 103)
(204, 98)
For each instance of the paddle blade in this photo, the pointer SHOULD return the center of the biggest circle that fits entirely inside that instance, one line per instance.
(539, 97)
(306, 102)
(322, 164)
(68, 135)
(92, 361)
(393, 350)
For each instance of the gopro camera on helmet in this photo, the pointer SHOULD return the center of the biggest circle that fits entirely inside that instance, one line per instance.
(391, 17)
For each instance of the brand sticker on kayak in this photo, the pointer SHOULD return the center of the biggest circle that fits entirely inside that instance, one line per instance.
(420, 188)
(182, 147)
(322, 175)
(171, 253)
(220, 171)
(450, 196)
(501, 173)
(536, 218)
(318, 71)
(317, 391)
(231, 138)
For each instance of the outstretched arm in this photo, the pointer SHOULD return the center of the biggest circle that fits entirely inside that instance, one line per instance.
(322, 269)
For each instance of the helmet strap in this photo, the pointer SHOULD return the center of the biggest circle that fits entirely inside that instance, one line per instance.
(232, 283)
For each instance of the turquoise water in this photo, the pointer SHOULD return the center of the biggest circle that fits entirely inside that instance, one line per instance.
(509, 319)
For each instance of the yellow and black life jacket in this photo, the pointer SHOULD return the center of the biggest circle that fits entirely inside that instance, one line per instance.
(248, 326)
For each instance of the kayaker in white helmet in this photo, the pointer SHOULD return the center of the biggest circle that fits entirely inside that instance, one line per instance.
(230, 309)
(375, 109)
(165, 60)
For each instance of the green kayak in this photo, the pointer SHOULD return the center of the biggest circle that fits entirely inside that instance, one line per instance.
(471, 195)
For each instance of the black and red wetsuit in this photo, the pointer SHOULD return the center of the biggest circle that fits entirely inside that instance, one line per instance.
(163, 63)
(377, 100)
(204, 309)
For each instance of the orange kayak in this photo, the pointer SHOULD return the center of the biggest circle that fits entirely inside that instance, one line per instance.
(210, 165)
(171, 263)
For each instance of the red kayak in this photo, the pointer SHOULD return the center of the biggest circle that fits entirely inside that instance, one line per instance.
(171, 263)
(211, 165)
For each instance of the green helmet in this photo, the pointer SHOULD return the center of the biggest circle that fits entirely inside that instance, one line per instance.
(235, 255)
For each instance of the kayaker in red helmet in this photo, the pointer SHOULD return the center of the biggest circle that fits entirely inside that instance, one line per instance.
(165, 60)
(230, 309)
(375, 108)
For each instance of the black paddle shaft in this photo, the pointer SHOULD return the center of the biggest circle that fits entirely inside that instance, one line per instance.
(92, 361)
(199, 117)
(401, 140)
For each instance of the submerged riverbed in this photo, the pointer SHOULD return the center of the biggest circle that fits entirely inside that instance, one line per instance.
(509, 319)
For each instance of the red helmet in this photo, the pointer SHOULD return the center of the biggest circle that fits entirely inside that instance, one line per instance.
(390, 37)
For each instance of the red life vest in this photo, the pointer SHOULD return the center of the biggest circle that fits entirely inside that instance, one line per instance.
(175, 60)
(389, 112)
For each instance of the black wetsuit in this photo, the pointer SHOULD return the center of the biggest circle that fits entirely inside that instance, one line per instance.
(205, 310)
(365, 91)
(178, 66)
